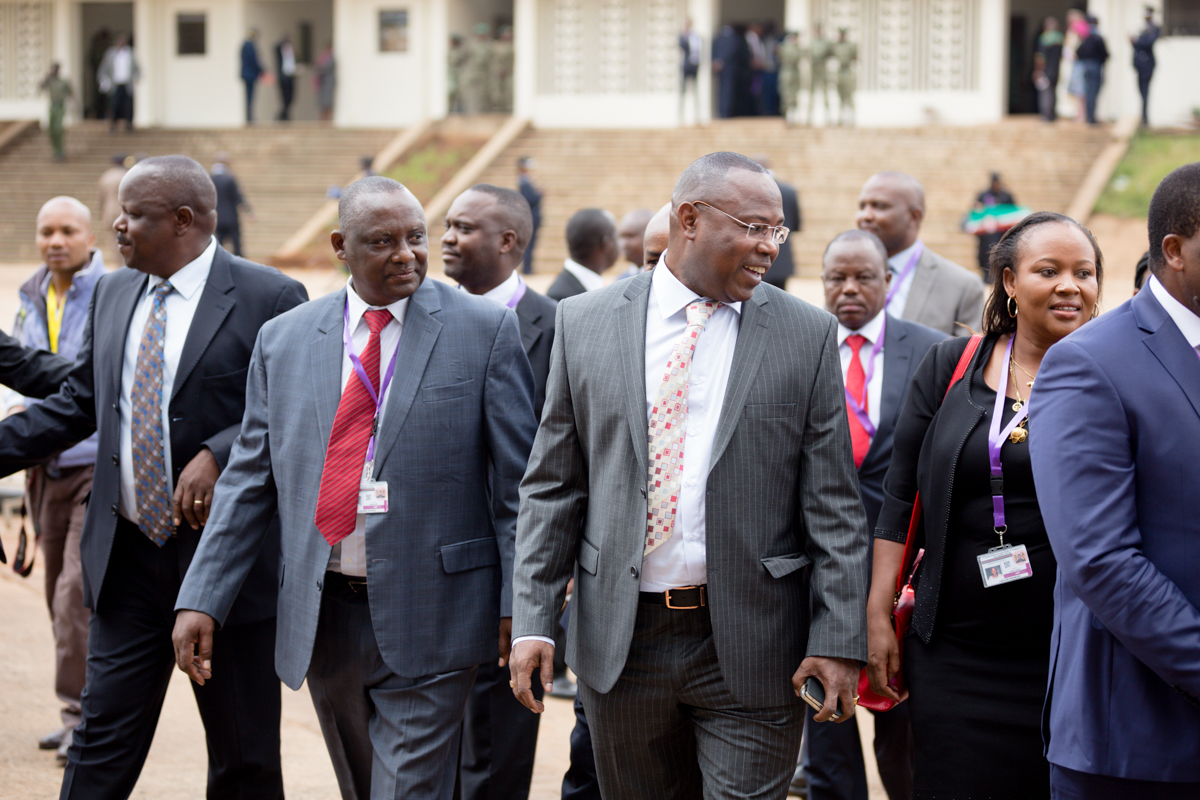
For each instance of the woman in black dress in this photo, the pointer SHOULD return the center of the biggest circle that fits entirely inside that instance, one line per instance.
(977, 654)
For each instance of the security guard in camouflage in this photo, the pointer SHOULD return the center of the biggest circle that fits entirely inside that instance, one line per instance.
(846, 54)
(819, 52)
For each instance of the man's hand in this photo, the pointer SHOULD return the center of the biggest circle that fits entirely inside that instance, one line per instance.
(839, 676)
(194, 491)
(194, 632)
(529, 657)
(505, 639)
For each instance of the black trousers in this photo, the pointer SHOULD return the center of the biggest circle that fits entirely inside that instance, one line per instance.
(250, 99)
(1144, 76)
(527, 258)
(499, 739)
(580, 782)
(121, 107)
(833, 761)
(130, 661)
(230, 233)
(287, 90)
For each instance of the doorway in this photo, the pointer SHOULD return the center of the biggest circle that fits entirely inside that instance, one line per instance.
(308, 25)
(1024, 25)
(100, 25)
(747, 35)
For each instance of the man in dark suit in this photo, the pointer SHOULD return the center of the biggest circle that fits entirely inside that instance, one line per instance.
(396, 488)
(487, 228)
(1115, 418)
(285, 74)
(161, 377)
(230, 202)
(784, 267)
(526, 167)
(251, 70)
(593, 249)
(676, 399)
(856, 278)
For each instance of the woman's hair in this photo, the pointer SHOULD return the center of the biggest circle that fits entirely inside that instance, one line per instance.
(1004, 256)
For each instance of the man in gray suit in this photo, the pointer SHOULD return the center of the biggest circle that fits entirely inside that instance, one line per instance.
(694, 470)
(926, 288)
(389, 425)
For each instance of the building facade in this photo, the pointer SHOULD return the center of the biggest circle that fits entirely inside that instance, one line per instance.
(579, 63)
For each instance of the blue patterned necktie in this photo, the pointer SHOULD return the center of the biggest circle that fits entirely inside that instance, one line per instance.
(150, 481)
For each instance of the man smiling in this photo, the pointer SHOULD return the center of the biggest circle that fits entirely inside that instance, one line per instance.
(693, 470)
(388, 425)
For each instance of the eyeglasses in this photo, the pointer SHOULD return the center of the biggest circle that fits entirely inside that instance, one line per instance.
(754, 230)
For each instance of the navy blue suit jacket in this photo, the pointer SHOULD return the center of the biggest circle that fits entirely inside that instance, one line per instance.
(1114, 428)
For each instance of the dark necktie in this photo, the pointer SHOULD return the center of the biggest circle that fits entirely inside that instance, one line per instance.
(152, 486)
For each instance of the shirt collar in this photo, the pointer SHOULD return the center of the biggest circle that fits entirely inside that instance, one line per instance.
(870, 330)
(358, 307)
(93, 270)
(590, 280)
(193, 275)
(671, 294)
(898, 262)
(505, 291)
(1187, 322)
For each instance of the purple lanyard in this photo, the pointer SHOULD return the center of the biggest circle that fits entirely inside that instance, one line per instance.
(855, 405)
(996, 439)
(908, 268)
(377, 398)
(516, 298)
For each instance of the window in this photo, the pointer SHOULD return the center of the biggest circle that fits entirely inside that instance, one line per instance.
(393, 31)
(190, 34)
(1181, 17)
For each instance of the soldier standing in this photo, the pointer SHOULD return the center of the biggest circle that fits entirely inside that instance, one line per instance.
(59, 92)
(456, 59)
(500, 77)
(789, 55)
(846, 53)
(477, 65)
(818, 54)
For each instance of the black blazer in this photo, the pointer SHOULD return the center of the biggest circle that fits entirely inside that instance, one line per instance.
(535, 312)
(564, 286)
(206, 406)
(32, 372)
(784, 266)
(928, 442)
(229, 199)
(904, 346)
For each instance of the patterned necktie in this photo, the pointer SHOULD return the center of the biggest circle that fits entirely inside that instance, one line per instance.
(668, 427)
(856, 384)
(337, 501)
(151, 484)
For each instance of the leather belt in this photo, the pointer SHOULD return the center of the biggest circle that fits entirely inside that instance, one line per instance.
(345, 584)
(682, 598)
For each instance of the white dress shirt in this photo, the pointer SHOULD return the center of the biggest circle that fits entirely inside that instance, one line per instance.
(288, 59)
(349, 556)
(180, 305)
(590, 280)
(896, 264)
(122, 68)
(503, 293)
(681, 560)
(872, 330)
(1183, 317)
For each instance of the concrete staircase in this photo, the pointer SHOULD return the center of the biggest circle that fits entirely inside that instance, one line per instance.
(284, 171)
(622, 170)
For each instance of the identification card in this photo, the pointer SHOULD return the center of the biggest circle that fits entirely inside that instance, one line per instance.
(1004, 565)
(372, 497)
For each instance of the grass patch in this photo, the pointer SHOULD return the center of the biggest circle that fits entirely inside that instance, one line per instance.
(1150, 158)
(426, 170)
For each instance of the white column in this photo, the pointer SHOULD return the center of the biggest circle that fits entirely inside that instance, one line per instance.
(151, 38)
(993, 55)
(347, 44)
(525, 65)
(437, 52)
(796, 15)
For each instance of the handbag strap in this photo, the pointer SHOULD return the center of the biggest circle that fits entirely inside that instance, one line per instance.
(959, 371)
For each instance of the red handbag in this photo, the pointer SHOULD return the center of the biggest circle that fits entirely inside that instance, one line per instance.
(906, 596)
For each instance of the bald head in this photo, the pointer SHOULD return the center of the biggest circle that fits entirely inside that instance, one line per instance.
(629, 234)
(903, 184)
(63, 205)
(656, 236)
(707, 178)
(891, 205)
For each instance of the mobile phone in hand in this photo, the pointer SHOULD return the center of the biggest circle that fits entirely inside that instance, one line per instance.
(814, 694)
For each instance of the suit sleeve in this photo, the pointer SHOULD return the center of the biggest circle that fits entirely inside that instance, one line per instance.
(970, 308)
(1086, 493)
(32, 372)
(221, 444)
(834, 518)
(66, 418)
(554, 496)
(509, 427)
(244, 502)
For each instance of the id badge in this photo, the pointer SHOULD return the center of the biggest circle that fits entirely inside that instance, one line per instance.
(372, 495)
(1004, 565)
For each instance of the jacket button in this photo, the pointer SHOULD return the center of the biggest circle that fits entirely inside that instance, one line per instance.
(113, 509)
(116, 459)
(643, 491)
(318, 586)
(116, 407)
(633, 571)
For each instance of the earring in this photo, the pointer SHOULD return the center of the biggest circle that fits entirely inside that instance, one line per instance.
(1095, 310)
(1011, 305)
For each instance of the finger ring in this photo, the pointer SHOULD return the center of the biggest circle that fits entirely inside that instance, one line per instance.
(510, 684)
(197, 502)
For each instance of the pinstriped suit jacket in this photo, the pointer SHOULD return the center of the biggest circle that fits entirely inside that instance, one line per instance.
(783, 508)
(452, 447)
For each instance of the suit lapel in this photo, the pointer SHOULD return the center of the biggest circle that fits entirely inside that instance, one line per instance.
(420, 332)
(924, 280)
(631, 344)
(747, 355)
(111, 349)
(327, 350)
(216, 302)
(1168, 345)
(528, 319)
(897, 358)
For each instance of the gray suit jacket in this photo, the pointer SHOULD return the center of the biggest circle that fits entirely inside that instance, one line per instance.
(439, 563)
(783, 510)
(943, 294)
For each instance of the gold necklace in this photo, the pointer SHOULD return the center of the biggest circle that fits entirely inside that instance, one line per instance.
(1019, 433)
(1027, 373)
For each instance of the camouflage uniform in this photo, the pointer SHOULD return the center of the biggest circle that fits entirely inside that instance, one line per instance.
(473, 85)
(818, 53)
(789, 55)
(846, 54)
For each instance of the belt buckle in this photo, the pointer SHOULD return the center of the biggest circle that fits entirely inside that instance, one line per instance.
(682, 588)
(356, 585)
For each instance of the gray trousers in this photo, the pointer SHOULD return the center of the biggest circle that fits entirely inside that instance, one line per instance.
(670, 728)
(388, 736)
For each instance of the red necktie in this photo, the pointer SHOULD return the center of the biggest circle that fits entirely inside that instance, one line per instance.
(856, 384)
(337, 502)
